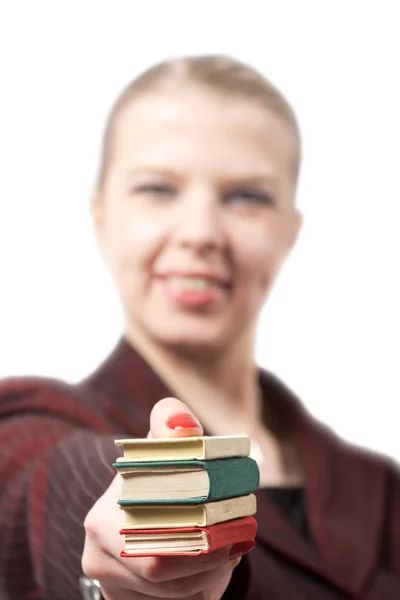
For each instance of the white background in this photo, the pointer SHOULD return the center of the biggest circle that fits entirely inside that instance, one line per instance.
(331, 329)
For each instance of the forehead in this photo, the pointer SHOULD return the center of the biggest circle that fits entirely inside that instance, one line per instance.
(198, 130)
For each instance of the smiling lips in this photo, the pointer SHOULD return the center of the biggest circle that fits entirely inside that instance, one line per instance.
(194, 290)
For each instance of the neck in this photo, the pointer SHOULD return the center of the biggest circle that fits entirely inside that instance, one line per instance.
(220, 387)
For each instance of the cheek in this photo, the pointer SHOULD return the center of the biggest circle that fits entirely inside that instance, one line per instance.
(260, 255)
(135, 241)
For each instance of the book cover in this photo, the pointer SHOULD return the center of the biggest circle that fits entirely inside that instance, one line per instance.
(186, 482)
(165, 516)
(193, 448)
(189, 541)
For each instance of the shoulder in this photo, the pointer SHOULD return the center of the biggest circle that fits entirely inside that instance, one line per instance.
(46, 397)
(14, 390)
(290, 407)
(366, 462)
(28, 385)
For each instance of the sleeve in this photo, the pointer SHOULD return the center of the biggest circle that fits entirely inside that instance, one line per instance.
(394, 520)
(52, 470)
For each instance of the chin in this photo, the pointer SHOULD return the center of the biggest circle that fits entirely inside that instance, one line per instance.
(198, 340)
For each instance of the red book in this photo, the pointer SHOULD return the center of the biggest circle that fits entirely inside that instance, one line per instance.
(189, 541)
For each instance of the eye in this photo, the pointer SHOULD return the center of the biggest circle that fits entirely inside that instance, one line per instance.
(155, 190)
(250, 196)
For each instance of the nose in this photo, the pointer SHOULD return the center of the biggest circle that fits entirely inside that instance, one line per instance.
(200, 221)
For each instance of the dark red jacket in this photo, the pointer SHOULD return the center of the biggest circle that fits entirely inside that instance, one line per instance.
(56, 450)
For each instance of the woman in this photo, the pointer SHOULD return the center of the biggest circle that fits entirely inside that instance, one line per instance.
(194, 214)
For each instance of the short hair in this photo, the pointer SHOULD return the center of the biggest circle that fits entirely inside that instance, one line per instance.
(222, 74)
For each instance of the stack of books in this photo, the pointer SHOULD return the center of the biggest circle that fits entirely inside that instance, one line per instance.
(187, 496)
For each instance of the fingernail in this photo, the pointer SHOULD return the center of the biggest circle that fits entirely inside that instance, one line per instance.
(241, 549)
(182, 421)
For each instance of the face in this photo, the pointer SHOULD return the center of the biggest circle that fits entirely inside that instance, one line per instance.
(196, 215)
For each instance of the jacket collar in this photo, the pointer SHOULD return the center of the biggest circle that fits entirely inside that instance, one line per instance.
(128, 388)
(345, 497)
(345, 488)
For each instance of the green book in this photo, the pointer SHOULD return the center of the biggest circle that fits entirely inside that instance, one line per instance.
(186, 482)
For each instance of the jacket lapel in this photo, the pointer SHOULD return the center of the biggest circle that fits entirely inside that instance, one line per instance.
(346, 492)
(128, 389)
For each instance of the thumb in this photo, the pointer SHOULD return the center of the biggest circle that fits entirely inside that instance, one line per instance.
(172, 418)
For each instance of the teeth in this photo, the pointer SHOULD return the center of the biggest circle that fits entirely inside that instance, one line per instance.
(191, 283)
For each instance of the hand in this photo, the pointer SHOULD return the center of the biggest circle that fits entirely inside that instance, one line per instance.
(204, 577)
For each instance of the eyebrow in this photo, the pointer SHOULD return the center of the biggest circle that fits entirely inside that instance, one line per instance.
(152, 171)
(255, 178)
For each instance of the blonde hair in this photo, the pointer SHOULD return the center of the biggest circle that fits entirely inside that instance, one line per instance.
(221, 74)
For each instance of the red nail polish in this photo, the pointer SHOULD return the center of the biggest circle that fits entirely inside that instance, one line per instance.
(182, 421)
(241, 549)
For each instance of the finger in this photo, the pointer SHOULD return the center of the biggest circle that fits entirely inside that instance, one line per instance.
(99, 564)
(123, 594)
(159, 569)
(110, 593)
(209, 588)
(218, 587)
(194, 584)
(186, 587)
(172, 418)
(102, 525)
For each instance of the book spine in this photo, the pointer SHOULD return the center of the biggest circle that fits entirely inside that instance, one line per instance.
(228, 478)
(219, 536)
(226, 510)
(214, 448)
(164, 501)
(232, 477)
(232, 532)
